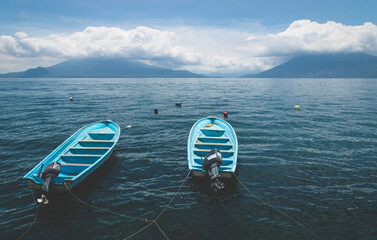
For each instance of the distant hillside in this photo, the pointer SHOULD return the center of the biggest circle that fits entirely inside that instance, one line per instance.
(341, 65)
(101, 68)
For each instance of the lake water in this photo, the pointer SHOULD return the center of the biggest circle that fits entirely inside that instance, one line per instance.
(318, 164)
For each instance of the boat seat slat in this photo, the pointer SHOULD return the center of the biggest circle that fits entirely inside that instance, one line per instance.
(112, 133)
(213, 144)
(99, 141)
(205, 137)
(201, 167)
(203, 152)
(208, 150)
(210, 129)
(75, 164)
(81, 155)
(91, 148)
(198, 159)
(96, 143)
(80, 158)
(218, 146)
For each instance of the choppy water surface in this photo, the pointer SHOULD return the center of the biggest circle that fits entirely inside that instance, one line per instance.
(318, 164)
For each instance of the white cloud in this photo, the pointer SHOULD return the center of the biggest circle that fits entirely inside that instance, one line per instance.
(198, 49)
(305, 36)
(20, 35)
(139, 43)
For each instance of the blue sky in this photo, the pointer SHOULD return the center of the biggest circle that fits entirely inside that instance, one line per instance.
(228, 37)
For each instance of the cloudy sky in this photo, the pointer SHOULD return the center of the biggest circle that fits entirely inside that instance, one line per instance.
(223, 37)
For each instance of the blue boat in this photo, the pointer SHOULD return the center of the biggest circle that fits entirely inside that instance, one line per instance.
(76, 157)
(212, 140)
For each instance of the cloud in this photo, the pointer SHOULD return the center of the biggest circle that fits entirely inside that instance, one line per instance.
(305, 36)
(138, 43)
(199, 49)
(20, 35)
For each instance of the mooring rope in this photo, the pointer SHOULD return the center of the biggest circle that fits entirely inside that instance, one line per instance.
(159, 228)
(135, 233)
(35, 216)
(162, 212)
(154, 221)
(102, 209)
(276, 209)
(171, 200)
(150, 222)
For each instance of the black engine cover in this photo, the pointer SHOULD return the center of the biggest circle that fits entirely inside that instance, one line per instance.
(212, 163)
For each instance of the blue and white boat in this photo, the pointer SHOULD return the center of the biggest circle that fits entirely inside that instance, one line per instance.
(212, 138)
(76, 157)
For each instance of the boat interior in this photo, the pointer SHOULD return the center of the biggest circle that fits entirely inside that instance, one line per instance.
(213, 136)
(77, 158)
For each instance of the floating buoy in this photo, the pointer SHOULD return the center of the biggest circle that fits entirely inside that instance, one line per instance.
(225, 114)
(71, 99)
(128, 126)
(297, 107)
(155, 111)
(178, 104)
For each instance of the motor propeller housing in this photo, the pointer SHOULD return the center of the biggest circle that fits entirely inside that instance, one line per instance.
(50, 172)
(212, 163)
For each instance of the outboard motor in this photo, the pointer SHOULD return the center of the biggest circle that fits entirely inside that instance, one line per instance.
(211, 165)
(50, 172)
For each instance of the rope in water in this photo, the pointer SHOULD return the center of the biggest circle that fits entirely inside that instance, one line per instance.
(162, 212)
(278, 210)
(150, 222)
(135, 233)
(154, 221)
(102, 209)
(35, 216)
(171, 200)
(159, 228)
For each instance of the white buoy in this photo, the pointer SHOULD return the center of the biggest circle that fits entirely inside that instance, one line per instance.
(71, 99)
(129, 126)
(297, 107)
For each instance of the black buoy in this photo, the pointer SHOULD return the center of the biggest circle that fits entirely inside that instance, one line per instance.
(155, 111)
(212, 163)
(178, 104)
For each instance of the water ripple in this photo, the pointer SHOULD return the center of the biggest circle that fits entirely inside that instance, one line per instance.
(318, 164)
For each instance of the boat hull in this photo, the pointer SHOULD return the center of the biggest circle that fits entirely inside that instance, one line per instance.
(207, 134)
(79, 155)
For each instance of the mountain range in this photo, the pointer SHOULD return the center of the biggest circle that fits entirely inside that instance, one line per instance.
(337, 65)
(101, 68)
